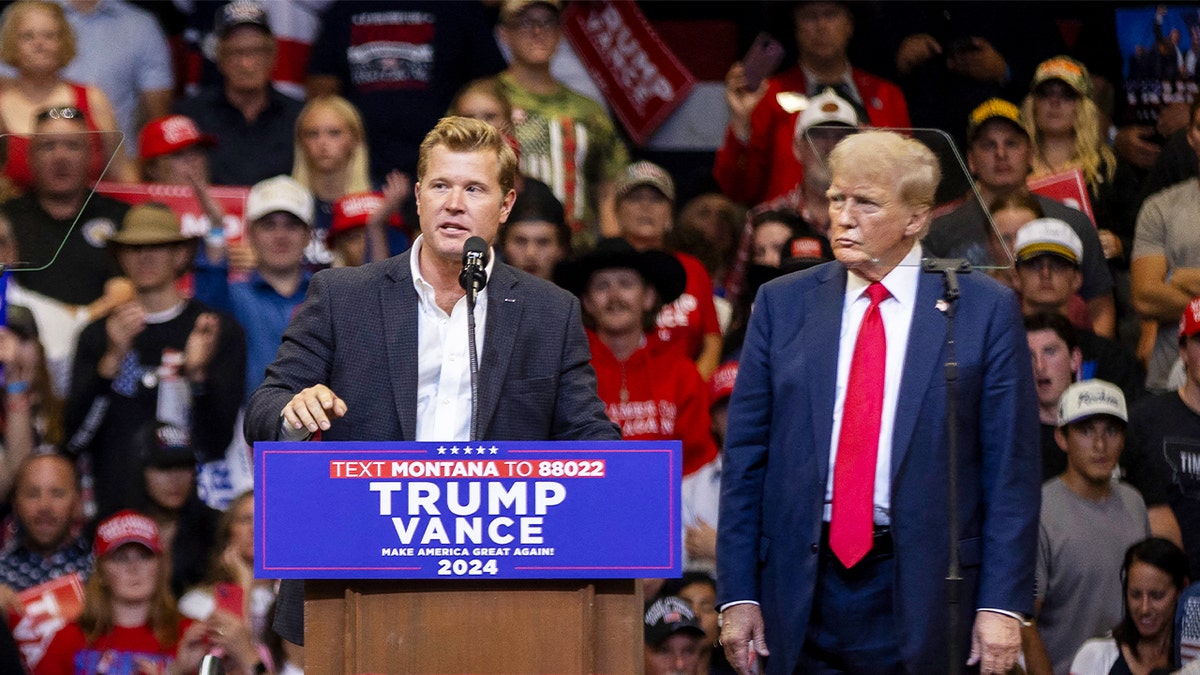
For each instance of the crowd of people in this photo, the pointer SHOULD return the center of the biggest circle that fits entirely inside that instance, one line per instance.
(137, 330)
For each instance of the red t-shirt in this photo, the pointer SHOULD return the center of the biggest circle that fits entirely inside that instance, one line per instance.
(665, 398)
(114, 650)
(685, 322)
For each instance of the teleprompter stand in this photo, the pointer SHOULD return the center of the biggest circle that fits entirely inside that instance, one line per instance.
(950, 268)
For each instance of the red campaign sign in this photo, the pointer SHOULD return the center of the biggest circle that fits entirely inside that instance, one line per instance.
(1067, 187)
(181, 199)
(47, 608)
(639, 76)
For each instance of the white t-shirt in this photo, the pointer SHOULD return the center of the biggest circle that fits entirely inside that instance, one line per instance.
(1096, 657)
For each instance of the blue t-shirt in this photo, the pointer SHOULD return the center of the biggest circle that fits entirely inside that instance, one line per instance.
(259, 308)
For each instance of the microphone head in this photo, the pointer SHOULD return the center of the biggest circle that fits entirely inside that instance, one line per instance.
(475, 248)
(473, 277)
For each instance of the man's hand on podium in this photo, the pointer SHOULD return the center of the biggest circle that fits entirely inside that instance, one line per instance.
(313, 408)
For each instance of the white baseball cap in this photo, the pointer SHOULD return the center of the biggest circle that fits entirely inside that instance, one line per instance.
(826, 108)
(281, 193)
(1048, 236)
(1090, 398)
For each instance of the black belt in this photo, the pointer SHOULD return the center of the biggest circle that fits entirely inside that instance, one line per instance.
(881, 541)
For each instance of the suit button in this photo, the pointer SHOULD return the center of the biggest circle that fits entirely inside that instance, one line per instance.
(815, 548)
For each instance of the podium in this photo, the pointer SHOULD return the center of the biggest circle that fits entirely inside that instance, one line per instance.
(506, 557)
(568, 626)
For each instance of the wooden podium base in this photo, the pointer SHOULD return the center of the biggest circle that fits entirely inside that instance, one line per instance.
(561, 626)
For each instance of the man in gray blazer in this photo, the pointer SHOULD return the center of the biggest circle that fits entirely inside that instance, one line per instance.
(379, 352)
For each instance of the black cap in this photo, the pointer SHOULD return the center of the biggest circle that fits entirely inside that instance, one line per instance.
(804, 251)
(668, 616)
(166, 446)
(241, 13)
(538, 203)
(807, 248)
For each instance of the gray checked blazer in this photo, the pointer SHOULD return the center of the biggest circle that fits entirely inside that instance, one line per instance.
(356, 332)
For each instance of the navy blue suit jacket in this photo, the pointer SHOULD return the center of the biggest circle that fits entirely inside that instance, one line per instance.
(777, 462)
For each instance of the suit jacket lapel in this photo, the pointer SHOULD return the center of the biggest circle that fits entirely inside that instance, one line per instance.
(398, 307)
(920, 364)
(505, 306)
(822, 331)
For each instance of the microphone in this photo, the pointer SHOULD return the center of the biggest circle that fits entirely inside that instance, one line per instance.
(473, 276)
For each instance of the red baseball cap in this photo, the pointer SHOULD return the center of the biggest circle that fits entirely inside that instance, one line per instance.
(169, 134)
(353, 210)
(720, 385)
(127, 527)
(1189, 323)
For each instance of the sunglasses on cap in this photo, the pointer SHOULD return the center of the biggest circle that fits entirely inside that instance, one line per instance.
(1052, 89)
(66, 112)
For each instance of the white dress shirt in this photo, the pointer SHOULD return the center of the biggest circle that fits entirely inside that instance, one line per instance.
(443, 359)
(896, 312)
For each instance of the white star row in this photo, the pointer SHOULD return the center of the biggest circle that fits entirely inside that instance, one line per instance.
(468, 450)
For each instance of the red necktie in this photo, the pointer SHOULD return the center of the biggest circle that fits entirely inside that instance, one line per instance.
(851, 524)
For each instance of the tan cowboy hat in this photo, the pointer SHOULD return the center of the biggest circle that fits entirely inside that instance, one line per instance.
(148, 224)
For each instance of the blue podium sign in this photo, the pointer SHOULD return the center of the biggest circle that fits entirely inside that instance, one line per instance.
(504, 510)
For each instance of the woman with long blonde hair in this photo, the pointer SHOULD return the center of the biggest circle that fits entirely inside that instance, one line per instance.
(1067, 128)
(1064, 123)
(331, 161)
(331, 149)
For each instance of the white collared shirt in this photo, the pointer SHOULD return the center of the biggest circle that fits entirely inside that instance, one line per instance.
(897, 313)
(443, 359)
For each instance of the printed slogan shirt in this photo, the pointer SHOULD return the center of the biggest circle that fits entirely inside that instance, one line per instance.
(656, 395)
